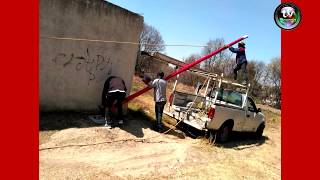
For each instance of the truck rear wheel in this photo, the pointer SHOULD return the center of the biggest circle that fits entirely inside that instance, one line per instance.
(212, 137)
(224, 133)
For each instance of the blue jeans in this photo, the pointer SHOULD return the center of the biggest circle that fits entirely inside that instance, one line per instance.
(159, 110)
(242, 66)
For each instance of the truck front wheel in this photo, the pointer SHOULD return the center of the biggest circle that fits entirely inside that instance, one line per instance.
(259, 132)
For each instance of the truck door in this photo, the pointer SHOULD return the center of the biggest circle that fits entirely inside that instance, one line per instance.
(250, 116)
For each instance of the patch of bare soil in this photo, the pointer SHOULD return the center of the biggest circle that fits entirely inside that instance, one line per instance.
(268, 108)
(135, 151)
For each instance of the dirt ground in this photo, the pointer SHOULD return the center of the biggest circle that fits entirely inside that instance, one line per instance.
(135, 151)
(73, 147)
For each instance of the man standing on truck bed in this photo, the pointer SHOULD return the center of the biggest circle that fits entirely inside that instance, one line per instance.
(159, 85)
(241, 60)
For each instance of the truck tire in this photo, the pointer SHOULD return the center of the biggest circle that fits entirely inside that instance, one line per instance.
(212, 137)
(259, 132)
(224, 133)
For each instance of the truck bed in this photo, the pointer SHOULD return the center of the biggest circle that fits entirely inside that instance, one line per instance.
(196, 116)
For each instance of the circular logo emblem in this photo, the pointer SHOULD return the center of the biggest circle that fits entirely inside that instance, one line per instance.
(287, 16)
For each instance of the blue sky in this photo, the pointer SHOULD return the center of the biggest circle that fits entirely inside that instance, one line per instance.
(196, 22)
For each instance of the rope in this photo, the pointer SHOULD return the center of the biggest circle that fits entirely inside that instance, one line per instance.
(118, 42)
(104, 142)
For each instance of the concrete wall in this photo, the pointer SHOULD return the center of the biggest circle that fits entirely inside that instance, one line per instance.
(72, 73)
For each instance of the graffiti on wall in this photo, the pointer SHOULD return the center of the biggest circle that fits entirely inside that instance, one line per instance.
(91, 64)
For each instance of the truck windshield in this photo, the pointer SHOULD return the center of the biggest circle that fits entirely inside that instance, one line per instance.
(230, 97)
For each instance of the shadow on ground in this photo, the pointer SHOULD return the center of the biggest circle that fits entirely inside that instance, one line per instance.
(190, 131)
(237, 140)
(240, 141)
(134, 122)
(64, 120)
(138, 120)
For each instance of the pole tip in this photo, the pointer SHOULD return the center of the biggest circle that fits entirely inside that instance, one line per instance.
(245, 36)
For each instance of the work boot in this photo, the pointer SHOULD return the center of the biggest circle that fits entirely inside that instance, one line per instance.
(107, 125)
(159, 129)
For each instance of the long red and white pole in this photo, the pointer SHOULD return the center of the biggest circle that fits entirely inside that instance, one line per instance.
(184, 68)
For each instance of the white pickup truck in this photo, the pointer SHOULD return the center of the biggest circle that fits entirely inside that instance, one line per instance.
(218, 111)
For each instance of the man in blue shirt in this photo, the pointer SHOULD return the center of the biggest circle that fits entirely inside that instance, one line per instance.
(241, 61)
